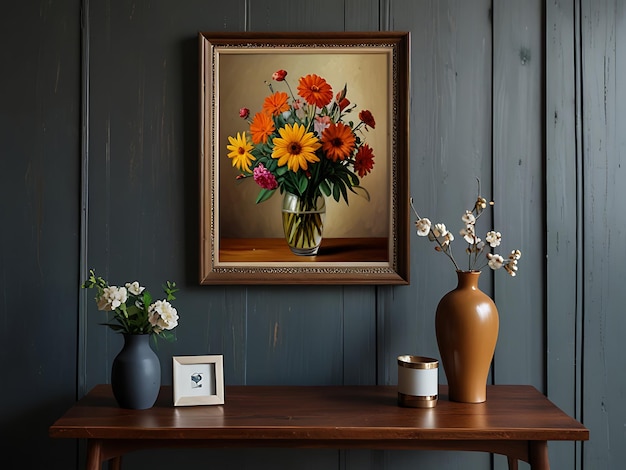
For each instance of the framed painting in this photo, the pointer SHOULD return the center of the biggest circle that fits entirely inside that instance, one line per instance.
(304, 158)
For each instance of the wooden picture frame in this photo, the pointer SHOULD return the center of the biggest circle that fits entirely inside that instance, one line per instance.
(365, 241)
(198, 380)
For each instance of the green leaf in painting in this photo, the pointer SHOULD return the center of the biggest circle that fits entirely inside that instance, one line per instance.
(325, 188)
(264, 195)
(361, 191)
(302, 184)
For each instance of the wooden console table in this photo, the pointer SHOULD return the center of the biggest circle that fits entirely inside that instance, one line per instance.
(516, 421)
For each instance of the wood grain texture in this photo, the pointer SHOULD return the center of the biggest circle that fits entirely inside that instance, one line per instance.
(517, 189)
(517, 171)
(604, 99)
(563, 221)
(325, 416)
(39, 182)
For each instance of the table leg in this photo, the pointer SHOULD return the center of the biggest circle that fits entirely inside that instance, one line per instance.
(115, 463)
(539, 455)
(94, 454)
(512, 463)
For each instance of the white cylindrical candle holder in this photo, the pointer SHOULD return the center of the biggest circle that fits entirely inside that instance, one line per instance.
(418, 381)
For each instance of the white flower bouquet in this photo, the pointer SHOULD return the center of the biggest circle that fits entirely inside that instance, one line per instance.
(134, 311)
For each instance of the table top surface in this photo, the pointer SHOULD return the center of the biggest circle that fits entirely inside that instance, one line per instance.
(309, 413)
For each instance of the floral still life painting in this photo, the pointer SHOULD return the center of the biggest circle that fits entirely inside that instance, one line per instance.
(304, 157)
(307, 144)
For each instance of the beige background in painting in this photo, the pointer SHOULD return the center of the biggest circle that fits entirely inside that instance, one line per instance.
(243, 82)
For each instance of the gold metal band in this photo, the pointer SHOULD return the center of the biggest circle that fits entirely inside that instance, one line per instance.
(428, 401)
(418, 362)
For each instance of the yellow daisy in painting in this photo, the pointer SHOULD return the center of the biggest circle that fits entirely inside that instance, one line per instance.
(240, 152)
(295, 147)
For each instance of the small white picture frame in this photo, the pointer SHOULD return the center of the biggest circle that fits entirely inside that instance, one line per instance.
(198, 380)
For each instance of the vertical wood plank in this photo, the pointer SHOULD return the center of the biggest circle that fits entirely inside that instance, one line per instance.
(295, 336)
(603, 34)
(39, 181)
(363, 16)
(278, 15)
(563, 222)
(450, 145)
(518, 189)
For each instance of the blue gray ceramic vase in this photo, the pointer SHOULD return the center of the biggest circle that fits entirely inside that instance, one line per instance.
(136, 374)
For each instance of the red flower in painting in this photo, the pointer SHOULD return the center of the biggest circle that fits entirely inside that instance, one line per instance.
(367, 118)
(279, 75)
(364, 160)
(341, 99)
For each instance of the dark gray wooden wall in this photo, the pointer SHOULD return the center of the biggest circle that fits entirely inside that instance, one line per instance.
(98, 139)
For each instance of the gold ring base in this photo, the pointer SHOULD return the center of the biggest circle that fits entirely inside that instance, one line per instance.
(417, 402)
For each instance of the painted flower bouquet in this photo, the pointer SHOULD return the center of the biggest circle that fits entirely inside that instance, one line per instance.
(304, 145)
(134, 311)
(477, 252)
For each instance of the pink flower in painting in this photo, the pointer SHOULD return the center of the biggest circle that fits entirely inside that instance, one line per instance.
(264, 178)
(321, 123)
(244, 113)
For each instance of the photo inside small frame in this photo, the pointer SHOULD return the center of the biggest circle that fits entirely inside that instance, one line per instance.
(201, 379)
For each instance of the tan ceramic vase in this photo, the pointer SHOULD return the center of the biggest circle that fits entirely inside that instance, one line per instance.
(467, 331)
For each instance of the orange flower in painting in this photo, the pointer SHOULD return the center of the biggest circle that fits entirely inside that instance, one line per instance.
(338, 141)
(364, 160)
(261, 127)
(276, 104)
(315, 90)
